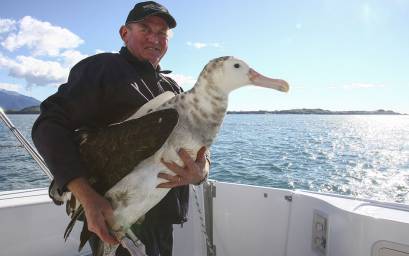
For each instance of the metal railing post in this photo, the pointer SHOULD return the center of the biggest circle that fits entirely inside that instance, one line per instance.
(33, 153)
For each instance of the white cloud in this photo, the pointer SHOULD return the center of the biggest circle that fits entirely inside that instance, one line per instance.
(183, 80)
(200, 45)
(10, 87)
(7, 25)
(98, 51)
(170, 33)
(216, 45)
(35, 71)
(197, 45)
(42, 38)
(51, 51)
(72, 57)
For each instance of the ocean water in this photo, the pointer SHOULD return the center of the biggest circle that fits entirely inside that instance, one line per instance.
(361, 156)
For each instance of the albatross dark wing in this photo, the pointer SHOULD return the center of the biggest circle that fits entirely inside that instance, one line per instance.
(111, 153)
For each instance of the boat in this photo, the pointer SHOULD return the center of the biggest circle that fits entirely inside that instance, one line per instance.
(226, 219)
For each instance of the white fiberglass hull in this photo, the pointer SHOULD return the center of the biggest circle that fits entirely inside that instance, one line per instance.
(242, 220)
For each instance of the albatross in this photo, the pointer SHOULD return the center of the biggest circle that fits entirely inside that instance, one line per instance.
(124, 159)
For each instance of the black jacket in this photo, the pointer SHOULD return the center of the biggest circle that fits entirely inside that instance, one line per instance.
(102, 89)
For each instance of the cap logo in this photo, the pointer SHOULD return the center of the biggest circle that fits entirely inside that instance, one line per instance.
(154, 7)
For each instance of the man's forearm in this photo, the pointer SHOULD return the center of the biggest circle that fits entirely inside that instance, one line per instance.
(98, 210)
(82, 190)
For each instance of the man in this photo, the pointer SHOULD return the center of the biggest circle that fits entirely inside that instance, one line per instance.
(105, 89)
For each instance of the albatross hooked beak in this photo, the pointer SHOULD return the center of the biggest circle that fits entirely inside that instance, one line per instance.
(263, 81)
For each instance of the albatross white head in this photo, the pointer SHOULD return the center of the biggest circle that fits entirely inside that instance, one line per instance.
(226, 74)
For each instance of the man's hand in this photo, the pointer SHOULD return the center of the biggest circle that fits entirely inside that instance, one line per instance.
(98, 210)
(193, 172)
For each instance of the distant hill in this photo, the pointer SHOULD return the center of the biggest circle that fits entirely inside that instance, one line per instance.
(28, 110)
(318, 111)
(10, 100)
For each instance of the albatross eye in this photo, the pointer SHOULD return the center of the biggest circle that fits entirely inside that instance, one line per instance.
(236, 65)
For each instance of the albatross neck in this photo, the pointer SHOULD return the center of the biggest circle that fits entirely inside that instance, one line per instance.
(209, 98)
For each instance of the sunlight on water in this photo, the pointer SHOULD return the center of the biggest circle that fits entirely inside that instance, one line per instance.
(377, 153)
(362, 156)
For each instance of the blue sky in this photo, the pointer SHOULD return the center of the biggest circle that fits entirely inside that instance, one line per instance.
(336, 55)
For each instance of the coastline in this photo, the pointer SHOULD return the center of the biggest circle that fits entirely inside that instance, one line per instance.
(34, 110)
(304, 111)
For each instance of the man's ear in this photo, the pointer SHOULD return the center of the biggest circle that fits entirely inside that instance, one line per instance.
(123, 31)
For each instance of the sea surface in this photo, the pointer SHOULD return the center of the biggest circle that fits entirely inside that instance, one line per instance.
(361, 156)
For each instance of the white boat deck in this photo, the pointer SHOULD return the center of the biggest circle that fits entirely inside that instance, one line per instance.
(242, 220)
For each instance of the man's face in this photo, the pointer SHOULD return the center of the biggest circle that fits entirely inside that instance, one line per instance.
(147, 39)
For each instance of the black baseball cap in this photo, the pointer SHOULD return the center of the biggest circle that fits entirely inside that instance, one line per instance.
(149, 8)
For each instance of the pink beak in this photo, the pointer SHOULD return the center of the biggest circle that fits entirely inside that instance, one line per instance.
(263, 81)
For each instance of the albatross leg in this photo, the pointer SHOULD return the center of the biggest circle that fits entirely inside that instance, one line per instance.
(134, 238)
(134, 246)
(109, 250)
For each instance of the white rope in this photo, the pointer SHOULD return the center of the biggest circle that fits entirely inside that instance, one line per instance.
(202, 223)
